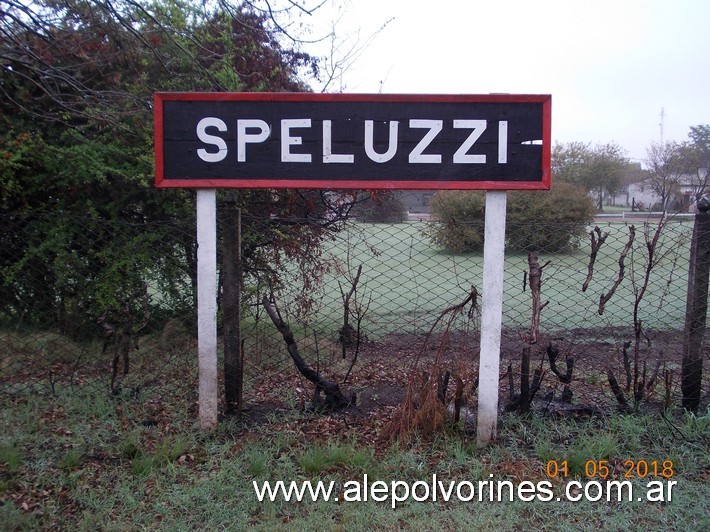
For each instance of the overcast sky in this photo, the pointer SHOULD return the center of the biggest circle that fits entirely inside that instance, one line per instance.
(610, 66)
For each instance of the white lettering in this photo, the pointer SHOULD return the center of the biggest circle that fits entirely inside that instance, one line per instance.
(434, 126)
(503, 141)
(568, 490)
(244, 138)
(328, 155)
(219, 142)
(405, 494)
(378, 491)
(671, 483)
(258, 131)
(544, 487)
(352, 491)
(588, 491)
(424, 495)
(619, 485)
(287, 140)
(655, 491)
(446, 494)
(462, 156)
(391, 146)
(459, 491)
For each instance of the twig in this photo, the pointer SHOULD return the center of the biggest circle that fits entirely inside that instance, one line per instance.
(604, 298)
(627, 364)
(597, 241)
(651, 246)
(535, 277)
(615, 388)
(345, 331)
(472, 298)
(552, 354)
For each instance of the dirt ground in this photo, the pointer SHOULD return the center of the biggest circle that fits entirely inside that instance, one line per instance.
(387, 369)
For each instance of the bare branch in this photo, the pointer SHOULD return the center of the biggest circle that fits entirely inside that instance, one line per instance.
(334, 396)
(598, 239)
(604, 298)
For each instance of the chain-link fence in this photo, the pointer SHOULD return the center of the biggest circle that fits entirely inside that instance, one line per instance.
(380, 306)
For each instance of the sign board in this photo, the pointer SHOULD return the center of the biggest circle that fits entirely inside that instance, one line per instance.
(354, 141)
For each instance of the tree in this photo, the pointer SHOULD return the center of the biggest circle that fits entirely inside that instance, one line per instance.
(694, 157)
(665, 168)
(103, 59)
(548, 221)
(600, 169)
(86, 228)
(606, 170)
(633, 173)
(569, 162)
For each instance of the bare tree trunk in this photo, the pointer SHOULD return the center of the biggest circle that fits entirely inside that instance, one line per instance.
(334, 397)
(640, 384)
(614, 384)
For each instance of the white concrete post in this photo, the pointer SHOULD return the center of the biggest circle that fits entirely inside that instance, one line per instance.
(207, 306)
(491, 316)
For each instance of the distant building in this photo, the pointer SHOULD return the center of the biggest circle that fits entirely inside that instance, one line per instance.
(682, 199)
(417, 201)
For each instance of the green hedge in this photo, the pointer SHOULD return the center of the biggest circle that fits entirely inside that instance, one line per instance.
(552, 220)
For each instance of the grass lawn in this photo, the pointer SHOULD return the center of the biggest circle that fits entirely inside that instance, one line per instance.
(94, 462)
(409, 281)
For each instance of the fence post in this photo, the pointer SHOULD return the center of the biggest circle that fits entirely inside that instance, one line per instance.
(231, 307)
(696, 309)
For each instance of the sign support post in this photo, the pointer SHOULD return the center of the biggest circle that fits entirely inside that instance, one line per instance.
(207, 306)
(491, 316)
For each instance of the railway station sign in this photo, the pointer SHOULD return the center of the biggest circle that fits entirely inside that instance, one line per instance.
(353, 141)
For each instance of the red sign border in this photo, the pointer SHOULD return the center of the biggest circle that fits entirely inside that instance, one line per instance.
(162, 182)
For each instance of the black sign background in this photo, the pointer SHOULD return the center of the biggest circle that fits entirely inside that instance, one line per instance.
(527, 117)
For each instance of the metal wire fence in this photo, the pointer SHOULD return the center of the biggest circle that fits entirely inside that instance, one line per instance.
(385, 307)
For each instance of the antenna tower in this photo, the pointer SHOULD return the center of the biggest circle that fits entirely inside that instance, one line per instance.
(663, 116)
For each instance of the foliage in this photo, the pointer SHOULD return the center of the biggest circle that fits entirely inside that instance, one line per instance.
(102, 60)
(289, 226)
(671, 165)
(458, 227)
(694, 155)
(664, 171)
(601, 170)
(83, 227)
(380, 207)
(569, 162)
(75, 210)
(536, 220)
(552, 221)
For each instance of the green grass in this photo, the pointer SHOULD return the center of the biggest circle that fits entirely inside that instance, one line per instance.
(10, 457)
(75, 470)
(408, 281)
